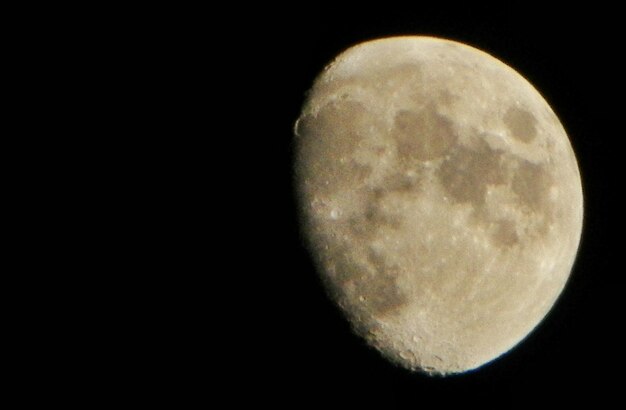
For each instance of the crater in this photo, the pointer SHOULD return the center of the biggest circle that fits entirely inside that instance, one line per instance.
(521, 124)
(467, 172)
(423, 135)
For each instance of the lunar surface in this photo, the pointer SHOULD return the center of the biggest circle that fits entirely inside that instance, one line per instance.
(440, 198)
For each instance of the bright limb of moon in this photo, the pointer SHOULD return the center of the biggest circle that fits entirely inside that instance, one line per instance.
(441, 200)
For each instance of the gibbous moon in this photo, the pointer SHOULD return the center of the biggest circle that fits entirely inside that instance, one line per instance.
(440, 197)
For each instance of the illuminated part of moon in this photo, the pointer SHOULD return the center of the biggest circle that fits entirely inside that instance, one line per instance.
(440, 197)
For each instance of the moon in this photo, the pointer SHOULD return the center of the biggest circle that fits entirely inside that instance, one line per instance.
(440, 199)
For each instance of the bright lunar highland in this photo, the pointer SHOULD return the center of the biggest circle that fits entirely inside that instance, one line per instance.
(440, 198)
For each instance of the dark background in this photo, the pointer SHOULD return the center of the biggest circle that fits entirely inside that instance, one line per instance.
(307, 351)
(186, 118)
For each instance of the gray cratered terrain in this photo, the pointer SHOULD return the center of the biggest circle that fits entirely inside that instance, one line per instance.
(441, 200)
